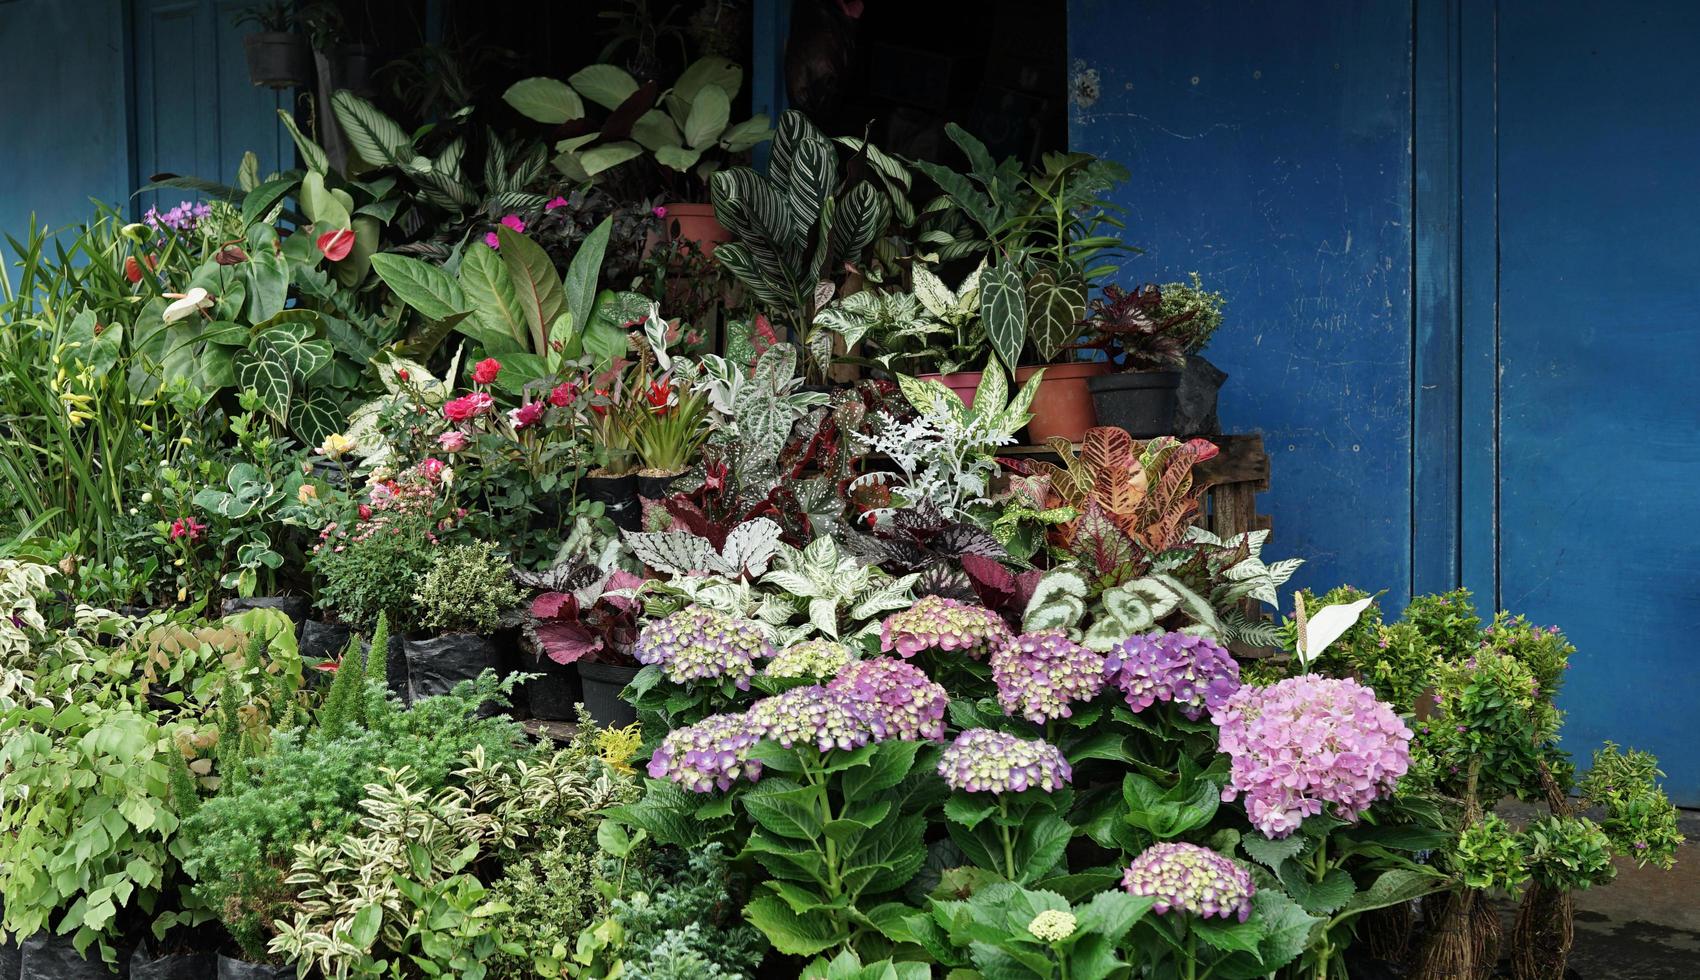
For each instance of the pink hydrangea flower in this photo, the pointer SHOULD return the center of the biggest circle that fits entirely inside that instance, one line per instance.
(937, 623)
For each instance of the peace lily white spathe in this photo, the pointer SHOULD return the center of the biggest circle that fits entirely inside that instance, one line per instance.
(186, 304)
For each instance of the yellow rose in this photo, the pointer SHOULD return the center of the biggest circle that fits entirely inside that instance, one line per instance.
(307, 494)
(335, 445)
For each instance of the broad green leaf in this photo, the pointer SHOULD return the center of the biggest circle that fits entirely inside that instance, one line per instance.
(1055, 306)
(546, 100)
(607, 156)
(260, 368)
(711, 110)
(1003, 310)
(537, 287)
(605, 85)
(312, 154)
(1317, 897)
(653, 130)
(421, 285)
(791, 933)
(582, 275)
(680, 158)
(314, 417)
(259, 201)
(497, 320)
(267, 273)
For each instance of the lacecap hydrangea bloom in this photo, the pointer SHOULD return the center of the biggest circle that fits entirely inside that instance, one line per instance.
(1040, 674)
(1189, 878)
(1307, 742)
(893, 698)
(817, 658)
(711, 754)
(937, 623)
(1191, 672)
(697, 643)
(985, 761)
(809, 715)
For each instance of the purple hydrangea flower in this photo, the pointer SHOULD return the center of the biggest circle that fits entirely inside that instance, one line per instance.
(698, 643)
(713, 753)
(895, 699)
(811, 658)
(809, 715)
(1040, 674)
(1190, 878)
(1192, 672)
(937, 623)
(1309, 741)
(984, 761)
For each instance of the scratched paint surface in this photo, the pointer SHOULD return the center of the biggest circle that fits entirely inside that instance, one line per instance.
(1280, 172)
(1600, 337)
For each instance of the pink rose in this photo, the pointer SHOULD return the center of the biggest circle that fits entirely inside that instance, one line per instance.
(431, 469)
(485, 371)
(660, 212)
(527, 415)
(468, 406)
(453, 441)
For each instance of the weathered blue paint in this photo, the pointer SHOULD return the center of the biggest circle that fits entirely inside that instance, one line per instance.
(1270, 147)
(64, 129)
(1599, 141)
(771, 26)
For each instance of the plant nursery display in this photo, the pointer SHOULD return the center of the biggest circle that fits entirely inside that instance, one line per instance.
(449, 562)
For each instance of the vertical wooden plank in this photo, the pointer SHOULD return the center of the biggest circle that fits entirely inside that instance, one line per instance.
(771, 21)
(1437, 309)
(1478, 185)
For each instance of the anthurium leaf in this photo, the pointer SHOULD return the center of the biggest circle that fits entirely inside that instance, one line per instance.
(423, 286)
(259, 367)
(315, 417)
(1055, 306)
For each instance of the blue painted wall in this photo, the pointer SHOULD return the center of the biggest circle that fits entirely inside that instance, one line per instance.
(1280, 172)
(64, 125)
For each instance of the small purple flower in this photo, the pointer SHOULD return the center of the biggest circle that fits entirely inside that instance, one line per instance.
(809, 715)
(1040, 674)
(1192, 672)
(893, 698)
(985, 761)
(1307, 742)
(1189, 878)
(697, 643)
(937, 623)
(711, 754)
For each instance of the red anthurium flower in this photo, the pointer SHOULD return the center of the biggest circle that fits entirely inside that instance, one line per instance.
(132, 269)
(337, 244)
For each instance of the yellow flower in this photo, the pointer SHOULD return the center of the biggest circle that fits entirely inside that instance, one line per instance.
(335, 445)
(307, 493)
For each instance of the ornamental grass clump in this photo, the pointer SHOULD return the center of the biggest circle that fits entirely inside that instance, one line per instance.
(698, 643)
(712, 754)
(893, 699)
(1307, 743)
(1189, 878)
(809, 716)
(817, 659)
(1039, 675)
(985, 761)
(1191, 672)
(937, 623)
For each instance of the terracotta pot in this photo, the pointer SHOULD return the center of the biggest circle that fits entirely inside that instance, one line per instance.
(964, 383)
(696, 223)
(1062, 407)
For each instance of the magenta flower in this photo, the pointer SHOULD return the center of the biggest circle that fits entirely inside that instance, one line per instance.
(468, 406)
(894, 698)
(513, 221)
(492, 240)
(557, 202)
(1306, 743)
(526, 416)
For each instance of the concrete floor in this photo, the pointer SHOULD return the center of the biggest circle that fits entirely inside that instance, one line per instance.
(1645, 925)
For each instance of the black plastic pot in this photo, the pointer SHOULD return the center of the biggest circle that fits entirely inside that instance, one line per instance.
(602, 686)
(295, 607)
(11, 959)
(552, 695)
(619, 494)
(1195, 408)
(1142, 402)
(395, 669)
(277, 59)
(180, 966)
(234, 969)
(655, 487)
(321, 641)
(436, 665)
(49, 957)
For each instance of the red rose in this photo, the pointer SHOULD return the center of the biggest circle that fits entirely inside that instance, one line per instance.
(468, 406)
(563, 394)
(485, 371)
(527, 415)
(402, 374)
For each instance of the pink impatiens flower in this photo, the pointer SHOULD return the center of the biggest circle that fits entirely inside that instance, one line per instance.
(559, 202)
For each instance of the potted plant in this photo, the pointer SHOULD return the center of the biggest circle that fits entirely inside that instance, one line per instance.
(1197, 313)
(461, 599)
(1146, 351)
(587, 626)
(277, 56)
(685, 133)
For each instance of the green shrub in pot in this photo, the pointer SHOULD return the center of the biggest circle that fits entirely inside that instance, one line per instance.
(461, 600)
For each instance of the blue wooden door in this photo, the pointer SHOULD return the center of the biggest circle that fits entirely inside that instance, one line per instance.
(1599, 349)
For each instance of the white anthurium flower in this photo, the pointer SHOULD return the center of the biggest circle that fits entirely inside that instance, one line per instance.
(187, 304)
(1322, 628)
